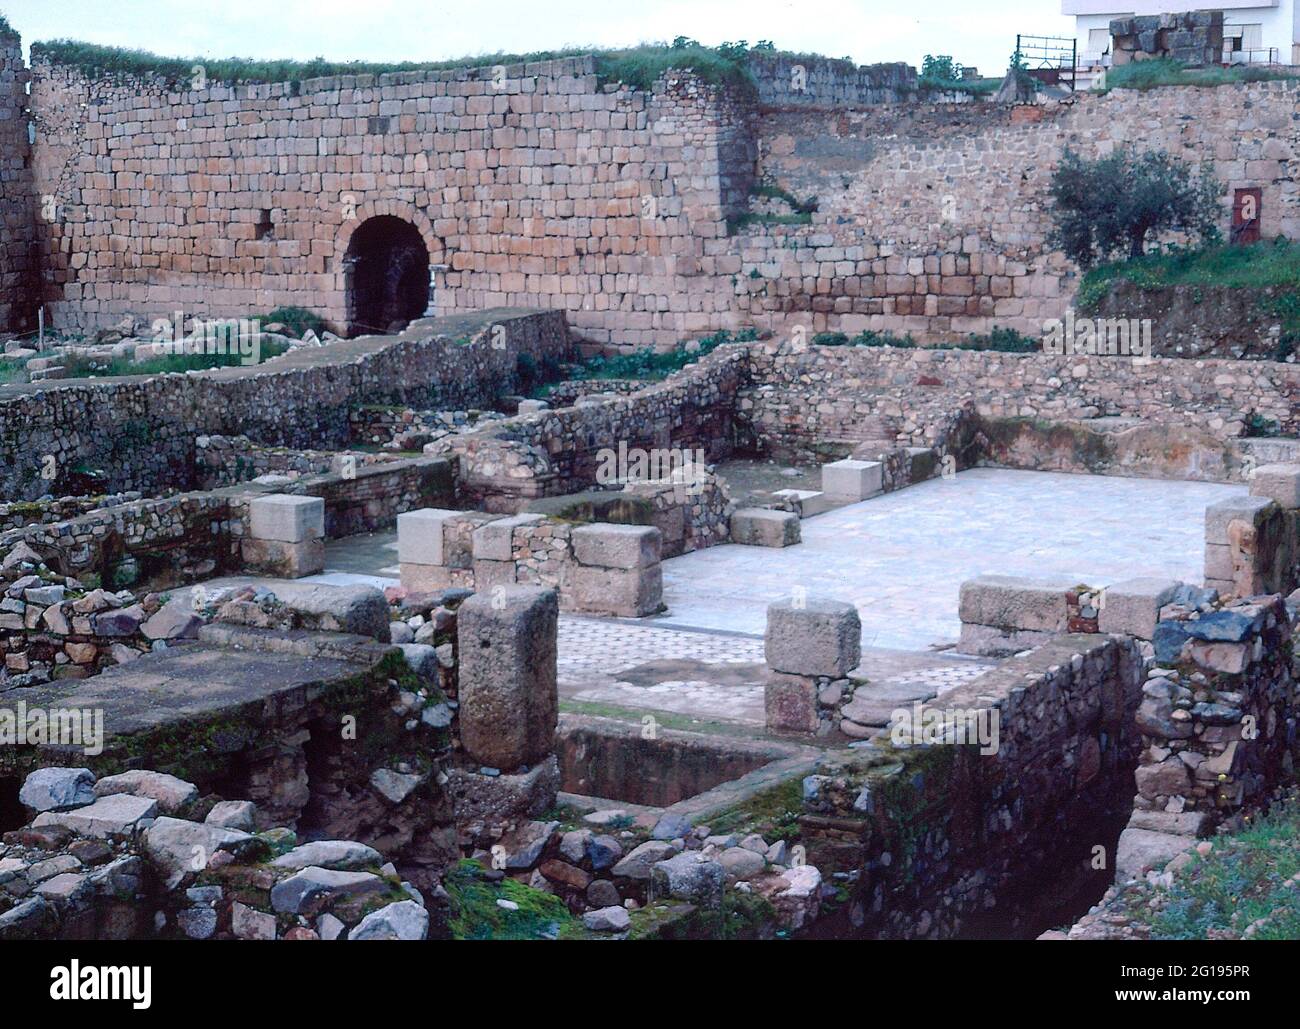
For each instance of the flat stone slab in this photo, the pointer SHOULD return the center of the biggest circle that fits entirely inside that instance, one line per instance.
(185, 683)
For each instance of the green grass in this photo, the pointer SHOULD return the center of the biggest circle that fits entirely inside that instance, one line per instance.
(1259, 266)
(296, 320)
(5, 28)
(772, 813)
(637, 66)
(972, 87)
(81, 367)
(652, 365)
(1166, 72)
(475, 914)
(1249, 878)
(1256, 266)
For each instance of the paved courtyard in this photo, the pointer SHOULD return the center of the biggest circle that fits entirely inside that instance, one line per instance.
(902, 557)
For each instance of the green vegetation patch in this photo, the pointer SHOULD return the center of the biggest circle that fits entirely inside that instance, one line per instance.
(297, 321)
(638, 67)
(1000, 339)
(1264, 266)
(1248, 886)
(476, 915)
(941, 74)
(1164, 71)
(773, 813)
(652, 365)
(84, 367)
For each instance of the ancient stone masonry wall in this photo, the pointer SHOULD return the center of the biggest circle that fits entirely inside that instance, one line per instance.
(785, 80)
(140, 432)
(611, 204)
(933, 219)
(799, 401)
(558, 451)
(946, 841)
(549, 190)
(18, 199)
(57, 509)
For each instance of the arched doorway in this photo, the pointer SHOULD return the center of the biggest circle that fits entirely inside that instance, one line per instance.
(387, 266)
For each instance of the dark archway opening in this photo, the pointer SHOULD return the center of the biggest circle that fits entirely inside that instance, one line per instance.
(388, 276)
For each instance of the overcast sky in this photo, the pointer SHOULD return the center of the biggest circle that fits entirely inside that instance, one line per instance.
(978, 32)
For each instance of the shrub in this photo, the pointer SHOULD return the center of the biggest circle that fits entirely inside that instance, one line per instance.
(1110, 206)
(296, 321)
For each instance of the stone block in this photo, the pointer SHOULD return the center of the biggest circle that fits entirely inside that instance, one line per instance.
(604, 545)
(813, 637)
(533, 406)
(284, 560)
(1246, 509)
(420, 535)
(489, 574)
(1133, 606)
(494, 541)
(993, 641)
(762, 527)
(286, 518)
(853, 480)
(1012, 603)
(1218, 562)
(1279, 483)
(619, 592)
(508, 698)
(422, 578)
(790, 703)
(1142, 850)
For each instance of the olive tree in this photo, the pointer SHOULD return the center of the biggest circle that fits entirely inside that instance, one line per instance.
(1110, 207)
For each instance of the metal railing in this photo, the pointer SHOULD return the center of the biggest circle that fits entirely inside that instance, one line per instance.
(1266, 55)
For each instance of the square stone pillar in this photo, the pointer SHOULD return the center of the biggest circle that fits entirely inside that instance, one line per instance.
(508, 700)
(286, 535)
(806, 641)
(616, 570)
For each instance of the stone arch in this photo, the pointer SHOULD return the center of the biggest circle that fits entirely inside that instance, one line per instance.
(386, 260)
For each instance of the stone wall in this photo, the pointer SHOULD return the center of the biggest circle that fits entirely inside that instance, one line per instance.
(802, 400)
(21, 513)
(18, 197)
(946, 841)
(554, 452)
(1194, 38)
(933, 218)
(140, 431)
(809, 81)
(547, 191)
(611, 204)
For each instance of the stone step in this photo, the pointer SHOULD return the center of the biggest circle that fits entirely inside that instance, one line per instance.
(807, 502)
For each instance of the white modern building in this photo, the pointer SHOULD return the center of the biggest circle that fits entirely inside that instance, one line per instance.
(1254, 31)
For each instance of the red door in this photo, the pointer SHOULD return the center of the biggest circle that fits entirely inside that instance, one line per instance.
(1245, 215)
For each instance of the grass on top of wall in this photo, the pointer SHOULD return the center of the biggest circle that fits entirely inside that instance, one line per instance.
(5, 28)
(83, 367)
(1257, 266)
(1164, 71)
(637, 66)
(1246, 887)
